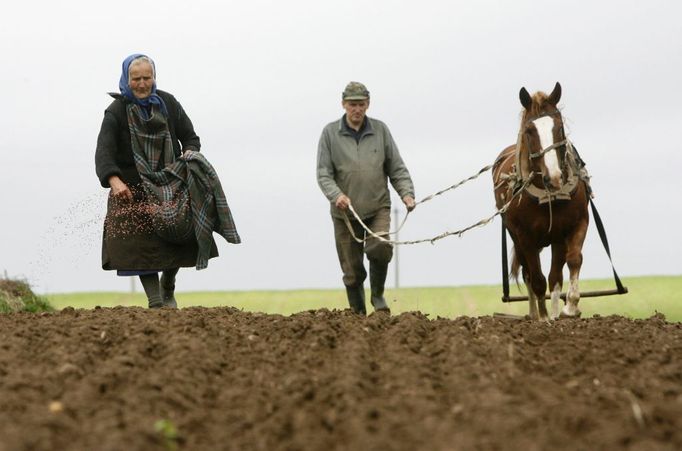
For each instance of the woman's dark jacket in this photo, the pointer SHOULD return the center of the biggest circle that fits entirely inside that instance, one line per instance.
(129, 241)
(114, 155)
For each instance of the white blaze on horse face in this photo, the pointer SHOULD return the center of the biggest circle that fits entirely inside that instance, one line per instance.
(545, 127)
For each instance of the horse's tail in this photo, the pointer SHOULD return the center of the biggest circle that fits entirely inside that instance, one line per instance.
(515, 266)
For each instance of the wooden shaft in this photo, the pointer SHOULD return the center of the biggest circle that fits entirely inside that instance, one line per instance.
(584, 294)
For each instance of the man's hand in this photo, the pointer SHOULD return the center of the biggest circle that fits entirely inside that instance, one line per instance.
(120, 189)
(342, 202)
(409, 203)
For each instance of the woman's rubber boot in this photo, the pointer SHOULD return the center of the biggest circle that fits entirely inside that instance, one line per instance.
(150, 283)
(167, 287)
(356, 299)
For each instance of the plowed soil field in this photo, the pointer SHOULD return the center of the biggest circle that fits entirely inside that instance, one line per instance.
(220, 378)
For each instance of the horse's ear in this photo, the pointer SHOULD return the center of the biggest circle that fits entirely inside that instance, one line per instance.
(555, 96)
(525, 98)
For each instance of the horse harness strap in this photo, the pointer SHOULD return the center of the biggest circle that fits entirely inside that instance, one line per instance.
(549, 148)
(505, 265)
(605, 242)
(575, 172)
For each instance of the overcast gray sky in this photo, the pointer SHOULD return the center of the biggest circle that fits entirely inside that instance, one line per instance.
(260, 79)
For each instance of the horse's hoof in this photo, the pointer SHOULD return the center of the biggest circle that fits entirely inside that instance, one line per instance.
(566, 315)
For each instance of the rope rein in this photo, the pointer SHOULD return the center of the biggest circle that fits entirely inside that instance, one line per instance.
(547, 149)
(426, 199)
(482, 222)
(522, 184)
(443, 191)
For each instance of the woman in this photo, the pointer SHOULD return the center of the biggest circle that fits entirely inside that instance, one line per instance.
(143, 133)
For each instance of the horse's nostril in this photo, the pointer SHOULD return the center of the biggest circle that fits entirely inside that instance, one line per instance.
(546, 180)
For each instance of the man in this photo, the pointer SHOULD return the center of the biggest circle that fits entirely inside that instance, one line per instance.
(355, 157)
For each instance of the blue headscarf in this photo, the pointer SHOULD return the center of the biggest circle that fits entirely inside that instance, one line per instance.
(124, 87)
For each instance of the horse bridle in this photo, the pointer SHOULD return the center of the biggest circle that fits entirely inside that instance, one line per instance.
(564, 142)
(540, 153)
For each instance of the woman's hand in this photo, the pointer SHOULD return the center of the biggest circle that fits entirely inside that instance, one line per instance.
(120, 189)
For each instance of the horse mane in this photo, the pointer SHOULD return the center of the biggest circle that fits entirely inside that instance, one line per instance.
(540, 105)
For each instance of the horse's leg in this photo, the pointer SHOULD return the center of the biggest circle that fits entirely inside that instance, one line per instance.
(532, 301)
(538, 284)
(556, 276)
(574, 260)
(535, 283)
(532, 304)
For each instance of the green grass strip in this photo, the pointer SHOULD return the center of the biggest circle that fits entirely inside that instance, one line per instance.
(647, 296)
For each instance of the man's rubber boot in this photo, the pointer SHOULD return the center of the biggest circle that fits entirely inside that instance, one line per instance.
(167, 288)
(356, 299)
(377, 280)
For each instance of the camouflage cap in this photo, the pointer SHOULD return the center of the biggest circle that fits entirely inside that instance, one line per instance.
(355, 91)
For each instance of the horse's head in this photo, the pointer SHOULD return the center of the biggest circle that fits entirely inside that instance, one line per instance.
(542, 138)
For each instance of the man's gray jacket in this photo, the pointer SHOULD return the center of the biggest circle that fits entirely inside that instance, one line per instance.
(360, 169)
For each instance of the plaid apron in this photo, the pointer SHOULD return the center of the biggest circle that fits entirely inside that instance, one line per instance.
(185, 197)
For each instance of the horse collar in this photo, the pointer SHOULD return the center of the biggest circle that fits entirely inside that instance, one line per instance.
(572, 174)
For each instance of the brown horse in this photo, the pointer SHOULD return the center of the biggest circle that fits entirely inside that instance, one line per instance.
(551, 208)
